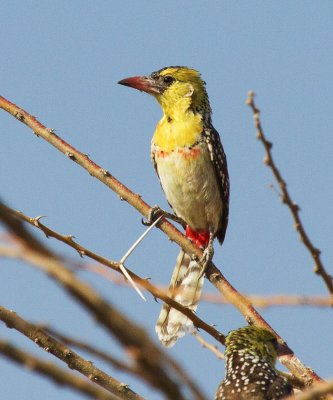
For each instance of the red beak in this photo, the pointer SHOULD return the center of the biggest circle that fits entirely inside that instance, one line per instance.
(143, 83)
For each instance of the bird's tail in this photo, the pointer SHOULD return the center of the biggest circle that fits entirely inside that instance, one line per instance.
(185, 288)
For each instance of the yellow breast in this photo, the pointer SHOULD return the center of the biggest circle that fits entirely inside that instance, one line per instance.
(177, 133)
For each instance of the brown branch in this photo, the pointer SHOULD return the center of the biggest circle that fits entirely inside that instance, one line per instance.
(261, 301)
(212, 273)
(319, 268)
(319, 391)
(115, 362)
(208, 346)
(278, 300)
(157, 293)
(67, 355)
(152, 361)
(53, 372)
(92, 350)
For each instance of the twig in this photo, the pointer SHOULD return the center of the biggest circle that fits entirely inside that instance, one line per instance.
(68, 239)
(92, 350)
(53, 372)
(319, 268)
(278, 300)
(212, 273)
(208, 346)
(261, 301)
(152, 361)
(317, 392)
(67, 355)
(119, 364)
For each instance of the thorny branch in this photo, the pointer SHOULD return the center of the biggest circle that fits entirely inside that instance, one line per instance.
(64, 353)
(261, 301)
(156, 366)
(317, 392)
(287, 357)
(51, 371)
(157, 293)
(286, 199)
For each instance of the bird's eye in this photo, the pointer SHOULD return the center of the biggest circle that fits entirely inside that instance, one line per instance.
(275, 343)
(168, 79)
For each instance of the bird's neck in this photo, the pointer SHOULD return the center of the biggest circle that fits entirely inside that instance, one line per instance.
(177, 129)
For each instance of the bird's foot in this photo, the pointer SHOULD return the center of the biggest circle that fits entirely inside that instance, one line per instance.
(156, 212)
(207, 255)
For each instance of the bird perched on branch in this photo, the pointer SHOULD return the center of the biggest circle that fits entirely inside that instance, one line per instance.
(250, 367)
(191, 164)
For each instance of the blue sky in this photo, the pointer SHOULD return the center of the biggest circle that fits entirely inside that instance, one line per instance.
(61, 62)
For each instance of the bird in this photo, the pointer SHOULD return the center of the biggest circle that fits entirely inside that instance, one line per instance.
(191, 164)
(250, 356)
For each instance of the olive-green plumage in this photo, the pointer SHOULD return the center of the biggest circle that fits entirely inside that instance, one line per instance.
(250, 367)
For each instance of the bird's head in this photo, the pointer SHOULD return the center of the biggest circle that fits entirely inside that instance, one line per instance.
(175, 88)
(253, 341)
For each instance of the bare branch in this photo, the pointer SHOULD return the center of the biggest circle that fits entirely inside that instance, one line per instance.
(51, 371)
(288, 358)
(65, 354)
(261, 301)
(157, 293)
(145, 354)
(319, 391)
(208, 346)
(277, 300)
(286, 199)
(92, 350)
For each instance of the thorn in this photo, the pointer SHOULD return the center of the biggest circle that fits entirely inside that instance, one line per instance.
(137, 242)
(51, 130)
(37, 219)
(129, 252)
(105, 172)
(19, 116)
(269, 144)
(37, 134)
(296, 207)
(70, 238)
(124, 385)
(70, 155)
(130, 280)
(81, 252)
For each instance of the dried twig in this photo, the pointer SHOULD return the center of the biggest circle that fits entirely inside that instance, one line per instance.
(212, 273)
(261, 301)
(53, 372)
(208, 346)
(286, 199)
(68, 239)
(319, 391)
(92, 350)
(152, 361)
(67, 355)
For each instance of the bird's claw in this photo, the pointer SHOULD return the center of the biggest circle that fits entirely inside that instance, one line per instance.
(153, 214)
(156, 212)
(207, 256)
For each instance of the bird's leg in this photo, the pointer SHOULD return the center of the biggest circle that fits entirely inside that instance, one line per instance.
(207, 254)
(204, 240)
(156, 212)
